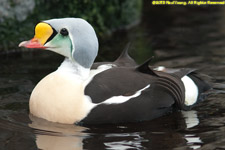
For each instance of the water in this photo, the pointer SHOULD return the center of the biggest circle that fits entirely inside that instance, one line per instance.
(178, 37)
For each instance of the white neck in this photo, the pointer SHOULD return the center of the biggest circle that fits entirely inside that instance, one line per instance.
(72, 67)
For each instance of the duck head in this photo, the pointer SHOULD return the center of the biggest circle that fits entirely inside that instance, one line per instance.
(73, 38)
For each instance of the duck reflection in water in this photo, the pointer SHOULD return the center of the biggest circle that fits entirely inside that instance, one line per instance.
(55, 136)
(191, 120)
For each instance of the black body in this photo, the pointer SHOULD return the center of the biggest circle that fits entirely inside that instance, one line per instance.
(165, 94)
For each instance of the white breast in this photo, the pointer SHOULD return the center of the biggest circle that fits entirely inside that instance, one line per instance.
(59, 97)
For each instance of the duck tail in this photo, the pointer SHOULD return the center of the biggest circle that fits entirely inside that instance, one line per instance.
(197, 87)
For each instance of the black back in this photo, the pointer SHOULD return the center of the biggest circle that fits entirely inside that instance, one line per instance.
(164, 92)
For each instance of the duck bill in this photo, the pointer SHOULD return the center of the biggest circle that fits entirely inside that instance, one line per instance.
(33, 43)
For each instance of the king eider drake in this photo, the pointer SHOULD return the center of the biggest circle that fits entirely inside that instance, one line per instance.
(118, 92)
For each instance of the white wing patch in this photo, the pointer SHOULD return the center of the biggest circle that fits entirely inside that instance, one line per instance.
(123, 99)
(94, 72)
(160, 68)
(191, 91)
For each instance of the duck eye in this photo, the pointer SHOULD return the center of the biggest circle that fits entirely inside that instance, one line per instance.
(64, 32)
